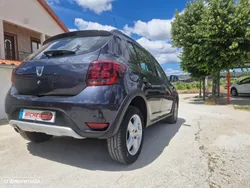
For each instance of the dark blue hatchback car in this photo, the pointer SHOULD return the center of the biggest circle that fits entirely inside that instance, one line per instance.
(91, 84)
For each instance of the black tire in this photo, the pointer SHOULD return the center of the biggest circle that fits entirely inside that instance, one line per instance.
(34, 136)
(174, 116)
(234, 92)
(117, 144)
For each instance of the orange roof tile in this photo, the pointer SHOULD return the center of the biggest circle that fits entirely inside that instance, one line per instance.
(9, 62)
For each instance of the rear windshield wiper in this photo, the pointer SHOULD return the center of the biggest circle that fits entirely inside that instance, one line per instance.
(51, 53)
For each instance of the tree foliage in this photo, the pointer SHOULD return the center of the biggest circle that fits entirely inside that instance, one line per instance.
(184, 35)
(214, 35)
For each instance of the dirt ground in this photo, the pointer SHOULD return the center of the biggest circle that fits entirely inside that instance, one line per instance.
(208, 147)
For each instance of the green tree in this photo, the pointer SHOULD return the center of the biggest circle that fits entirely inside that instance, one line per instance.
(214, 35)
(184, 36)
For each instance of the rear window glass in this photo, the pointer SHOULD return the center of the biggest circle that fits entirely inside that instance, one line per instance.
(80, 45)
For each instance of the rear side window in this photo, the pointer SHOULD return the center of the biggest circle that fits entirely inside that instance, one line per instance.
(145, 61)
(159, 70)
(80, 45)
(118, 49)
(132, 54)
(246, 81)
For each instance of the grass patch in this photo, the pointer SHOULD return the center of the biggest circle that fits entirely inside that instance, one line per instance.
(188, 91)
(186, 86)
(247, 108)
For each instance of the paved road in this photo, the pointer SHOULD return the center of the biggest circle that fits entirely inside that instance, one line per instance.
(209, 147)
(241, 100)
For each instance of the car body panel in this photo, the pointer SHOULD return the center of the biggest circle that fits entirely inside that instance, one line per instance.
(243, 86)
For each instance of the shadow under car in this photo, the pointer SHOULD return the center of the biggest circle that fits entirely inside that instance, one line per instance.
(92, 153)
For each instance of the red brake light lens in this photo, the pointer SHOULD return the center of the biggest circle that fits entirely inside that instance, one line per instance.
(97, 126)
(104, 73)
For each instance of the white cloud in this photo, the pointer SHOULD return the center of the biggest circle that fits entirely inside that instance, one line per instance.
(156, 29)
(155, 37)
(84, 25)
(156, 46)
(98, 6)
(162, 50)
(73, 29)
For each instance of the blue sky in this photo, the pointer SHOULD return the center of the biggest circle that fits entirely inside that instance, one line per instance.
(148, 22)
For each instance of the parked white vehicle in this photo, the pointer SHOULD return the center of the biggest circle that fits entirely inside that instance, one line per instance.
(242, 87)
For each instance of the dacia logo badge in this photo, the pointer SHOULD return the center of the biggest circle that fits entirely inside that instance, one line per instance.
(39, 70)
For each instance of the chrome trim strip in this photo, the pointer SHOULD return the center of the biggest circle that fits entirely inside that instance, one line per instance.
(43, 128)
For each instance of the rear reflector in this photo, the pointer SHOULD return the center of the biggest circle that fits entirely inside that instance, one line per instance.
(96, 126)
(103, 72)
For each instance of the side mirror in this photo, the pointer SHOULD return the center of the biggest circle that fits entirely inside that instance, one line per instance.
(239, 83)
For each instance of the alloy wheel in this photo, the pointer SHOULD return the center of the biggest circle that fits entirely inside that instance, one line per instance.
(134, 134)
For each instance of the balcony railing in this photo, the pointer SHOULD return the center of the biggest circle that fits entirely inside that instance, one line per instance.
(23, 55)
(19, 56)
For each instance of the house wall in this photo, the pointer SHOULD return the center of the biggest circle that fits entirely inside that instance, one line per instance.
(23, 36)
(5, 75)
(29, 14)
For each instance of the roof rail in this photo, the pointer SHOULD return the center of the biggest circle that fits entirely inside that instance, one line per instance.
(124, 35)
(119, 33)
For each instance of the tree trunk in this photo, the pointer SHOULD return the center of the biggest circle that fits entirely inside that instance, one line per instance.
(214, 89)
(207, 83)
(218, 84)
(204, 88)
(200, 88)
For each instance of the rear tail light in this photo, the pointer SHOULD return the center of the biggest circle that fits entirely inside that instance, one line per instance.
(98, 126)
(104, 73)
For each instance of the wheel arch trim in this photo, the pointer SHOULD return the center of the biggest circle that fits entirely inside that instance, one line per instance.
(124, 106)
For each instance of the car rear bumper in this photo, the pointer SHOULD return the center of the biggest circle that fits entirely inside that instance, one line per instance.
(43, 128)
(72, 113)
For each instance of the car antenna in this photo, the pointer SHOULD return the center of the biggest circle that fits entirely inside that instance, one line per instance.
(115, 22)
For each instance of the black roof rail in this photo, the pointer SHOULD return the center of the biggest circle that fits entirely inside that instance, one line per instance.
(117, 32)
(120, 33)
(124, 35)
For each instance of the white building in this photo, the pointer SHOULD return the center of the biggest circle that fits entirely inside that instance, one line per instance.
(24, 26)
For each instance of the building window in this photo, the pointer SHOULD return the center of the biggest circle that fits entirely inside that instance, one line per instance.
(35, 45)
(10, 46)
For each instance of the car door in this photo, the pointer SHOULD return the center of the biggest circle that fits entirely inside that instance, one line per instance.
(152, 84)
(244, 86)
(167, 97)
(248, 86)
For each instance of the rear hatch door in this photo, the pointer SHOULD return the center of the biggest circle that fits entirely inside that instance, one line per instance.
(59, 68)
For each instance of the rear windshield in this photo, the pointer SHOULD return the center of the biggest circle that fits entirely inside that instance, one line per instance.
(80, 45)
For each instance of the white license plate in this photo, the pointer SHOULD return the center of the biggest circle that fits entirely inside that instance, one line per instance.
(37, 115)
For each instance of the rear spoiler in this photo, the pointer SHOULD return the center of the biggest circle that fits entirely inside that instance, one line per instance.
(84, 33)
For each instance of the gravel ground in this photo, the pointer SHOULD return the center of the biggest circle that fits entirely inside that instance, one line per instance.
(209, 147)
